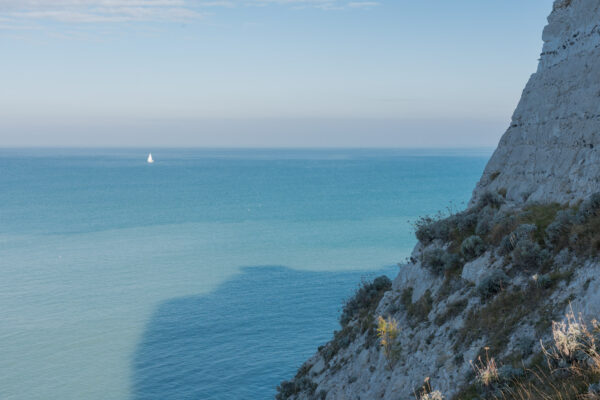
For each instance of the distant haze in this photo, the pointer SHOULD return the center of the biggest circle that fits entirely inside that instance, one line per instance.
(264, 73)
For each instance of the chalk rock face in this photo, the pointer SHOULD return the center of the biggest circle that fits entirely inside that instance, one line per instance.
(551, 151)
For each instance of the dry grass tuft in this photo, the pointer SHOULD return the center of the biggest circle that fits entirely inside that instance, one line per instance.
(572, 369)
(486, 370)
(388, 331)
(575, 345)
(425, 392)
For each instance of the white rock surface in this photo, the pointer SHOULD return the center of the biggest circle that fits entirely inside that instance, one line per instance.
(425, 353)
(476, 270)
(551, 151)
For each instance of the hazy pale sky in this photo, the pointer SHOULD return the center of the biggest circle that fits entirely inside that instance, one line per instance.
(264, 72)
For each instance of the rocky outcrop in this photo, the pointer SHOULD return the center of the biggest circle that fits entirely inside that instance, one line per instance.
(489, 281)
(551, 151)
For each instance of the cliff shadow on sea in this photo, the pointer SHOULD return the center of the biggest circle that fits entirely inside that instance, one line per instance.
(242, 339)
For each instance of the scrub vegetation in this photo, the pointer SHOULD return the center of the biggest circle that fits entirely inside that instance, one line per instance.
(524, 260)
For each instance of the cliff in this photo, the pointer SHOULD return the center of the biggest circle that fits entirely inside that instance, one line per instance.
(479, 307)
(550, 151)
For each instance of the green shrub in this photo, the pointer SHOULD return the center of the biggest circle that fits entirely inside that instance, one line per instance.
(527, 254)
(439, 261)
(466, 221)
(557, 232)
(493, 284)
(544, 281)
(365, 299)
(485, 221)
(492, 199)
(428, 229)
(453, 228)
(288, 389)
(540, 215)
(502, 225)
(472, 247)
(524, 232)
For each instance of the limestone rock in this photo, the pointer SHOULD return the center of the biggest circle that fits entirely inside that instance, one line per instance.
(551, 151)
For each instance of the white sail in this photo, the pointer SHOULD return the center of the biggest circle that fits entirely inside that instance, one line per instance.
(150, 160)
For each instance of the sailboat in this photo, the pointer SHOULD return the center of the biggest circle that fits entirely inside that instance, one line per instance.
(150, 159)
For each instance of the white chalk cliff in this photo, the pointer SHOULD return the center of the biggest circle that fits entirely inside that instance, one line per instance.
(551, 151)
(462, 292)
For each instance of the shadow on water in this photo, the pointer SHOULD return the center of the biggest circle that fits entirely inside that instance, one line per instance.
(241, 340)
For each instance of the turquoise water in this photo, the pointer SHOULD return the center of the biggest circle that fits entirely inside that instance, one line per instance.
(211, 274)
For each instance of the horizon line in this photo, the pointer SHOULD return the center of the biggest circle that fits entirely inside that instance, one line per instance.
(252, 147)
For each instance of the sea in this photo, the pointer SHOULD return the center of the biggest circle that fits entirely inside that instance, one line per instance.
(209, 274)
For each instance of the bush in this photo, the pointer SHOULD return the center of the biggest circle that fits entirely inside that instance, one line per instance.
(540, 215)
(449, 230)
(288, 389)
(485, 221)
(440, 261)
(466, 221)
(524, 232)
(492, 199)
(428, 229)
(366, 298)
(502, 225)
(493, 284)
(472, 247)
(557, 233)
(543, 281)
(574, 342)
(528, 254)
(570, 370)
(434, 260)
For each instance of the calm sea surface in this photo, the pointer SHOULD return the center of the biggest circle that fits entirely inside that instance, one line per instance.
(210, 274)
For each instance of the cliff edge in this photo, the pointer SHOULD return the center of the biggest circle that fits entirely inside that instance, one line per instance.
(479, 311)
(550, 151)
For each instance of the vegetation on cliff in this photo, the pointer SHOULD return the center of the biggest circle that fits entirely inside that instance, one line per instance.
(504, 278)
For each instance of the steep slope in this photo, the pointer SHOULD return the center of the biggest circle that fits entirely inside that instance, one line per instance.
(551, 150)
(486, 284)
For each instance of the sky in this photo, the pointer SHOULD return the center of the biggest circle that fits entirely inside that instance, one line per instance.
(264, 73)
